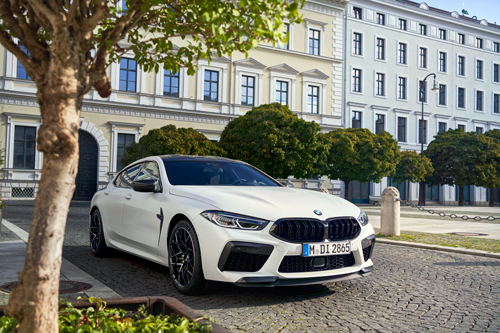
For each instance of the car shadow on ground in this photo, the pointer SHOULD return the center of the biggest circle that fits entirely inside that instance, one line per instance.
(131, 276)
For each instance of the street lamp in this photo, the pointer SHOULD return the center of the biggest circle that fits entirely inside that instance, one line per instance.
(421, 194)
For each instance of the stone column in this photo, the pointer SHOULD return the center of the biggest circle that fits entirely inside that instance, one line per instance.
(390, 213)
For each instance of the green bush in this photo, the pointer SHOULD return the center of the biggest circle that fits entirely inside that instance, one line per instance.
(99, 319)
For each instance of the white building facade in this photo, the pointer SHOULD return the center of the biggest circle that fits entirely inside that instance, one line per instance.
(390, 47)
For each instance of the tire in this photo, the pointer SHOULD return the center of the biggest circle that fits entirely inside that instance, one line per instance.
(184, 265)
(96, 235)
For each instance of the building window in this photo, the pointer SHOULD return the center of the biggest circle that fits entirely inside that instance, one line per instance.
(211, 86)
(496, 103)
(170, 84)
(442, 34)
(461, 39)
(21, 71)
(380, 19)
(128, 74)
(282, 92)
(24, 147)
(356, 119)
(461, 66)
(461, 127)
(356, 80)
(356, 11)
(314, 41)
(402, 53)
(442, 94)
(479, 100)
(479, 43)
(442, 127)
(479, 130)
(380, 48)
(379, 123)
(380, 84)
(461, 98)
(496, 47)
(422, 91)
(479, 69)
(401, 129)
(422, 29)
(286, 33)
(124, 140)
(357, 43)
(442, 61)
(402, 24)
(496, 73)
(247, 90)
(313, 99)
(422, 132)
(422, 63)
(402, 88)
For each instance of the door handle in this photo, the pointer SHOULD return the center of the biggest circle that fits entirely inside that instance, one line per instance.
(128, 196)
(107, 192)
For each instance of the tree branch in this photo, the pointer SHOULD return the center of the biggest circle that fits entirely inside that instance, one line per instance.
(52, 21)
(9, 44)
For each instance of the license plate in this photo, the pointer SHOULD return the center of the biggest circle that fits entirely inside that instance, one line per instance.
(326, 249)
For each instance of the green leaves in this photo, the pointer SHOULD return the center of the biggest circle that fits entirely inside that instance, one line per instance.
(412, 167)
(275, 140)
(171, 140)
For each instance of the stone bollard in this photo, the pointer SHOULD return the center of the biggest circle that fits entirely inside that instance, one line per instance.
(324, 190)
(389, 219)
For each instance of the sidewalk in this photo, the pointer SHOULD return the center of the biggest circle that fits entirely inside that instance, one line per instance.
(12, 251)
(421, 221)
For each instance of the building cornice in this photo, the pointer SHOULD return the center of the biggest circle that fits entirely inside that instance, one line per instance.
(402, 111)
(332, 8)
(357, 104)
(477, 121)
(442, 116)
(426, 114)
(381, 108)
(461, 118)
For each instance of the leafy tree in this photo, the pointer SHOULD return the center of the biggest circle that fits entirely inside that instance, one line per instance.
(275, 140)
(412, 167)
(69, 45)
(358, 154)
(171, 140)
(494, 180)
(462, 159)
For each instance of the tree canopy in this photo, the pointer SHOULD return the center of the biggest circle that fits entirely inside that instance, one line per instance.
(411, 167)
(462, 159)
(171, 140)
(358, 154)
(275, 140)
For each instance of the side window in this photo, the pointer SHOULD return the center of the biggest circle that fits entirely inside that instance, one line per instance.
(126, 178)
(150, 172)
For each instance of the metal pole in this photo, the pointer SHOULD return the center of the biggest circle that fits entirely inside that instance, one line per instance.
(421, 192)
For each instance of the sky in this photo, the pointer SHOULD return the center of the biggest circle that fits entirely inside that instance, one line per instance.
(483, 9)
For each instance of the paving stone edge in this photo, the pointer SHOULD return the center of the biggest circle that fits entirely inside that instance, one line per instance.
(440, 248)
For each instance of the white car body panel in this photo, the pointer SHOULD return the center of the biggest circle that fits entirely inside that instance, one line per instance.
(133, 225)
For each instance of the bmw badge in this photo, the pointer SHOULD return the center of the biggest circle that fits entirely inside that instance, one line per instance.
(317, 212)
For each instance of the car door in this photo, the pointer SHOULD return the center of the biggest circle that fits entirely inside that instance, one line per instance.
(142, 215)
(114, 200)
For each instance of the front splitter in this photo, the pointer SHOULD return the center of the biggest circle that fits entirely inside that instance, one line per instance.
(274, 282)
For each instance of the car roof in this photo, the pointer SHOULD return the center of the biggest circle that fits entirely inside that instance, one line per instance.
(179, 157)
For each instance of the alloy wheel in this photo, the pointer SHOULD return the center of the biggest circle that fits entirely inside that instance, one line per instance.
(182, 257)
(95, 231)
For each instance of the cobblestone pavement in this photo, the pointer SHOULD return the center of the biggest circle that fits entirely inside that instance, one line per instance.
(411, 290)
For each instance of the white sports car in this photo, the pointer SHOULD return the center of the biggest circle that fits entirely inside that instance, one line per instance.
(216, 219)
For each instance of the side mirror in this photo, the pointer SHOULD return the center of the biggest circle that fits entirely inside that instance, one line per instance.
(146, 185)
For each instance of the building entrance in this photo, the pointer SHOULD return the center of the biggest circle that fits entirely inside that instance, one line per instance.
(86, 179)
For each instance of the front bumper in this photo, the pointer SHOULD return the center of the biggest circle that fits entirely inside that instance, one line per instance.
(215, 242)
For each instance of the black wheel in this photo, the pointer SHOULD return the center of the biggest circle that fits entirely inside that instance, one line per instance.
(96, 233)
(185, 260)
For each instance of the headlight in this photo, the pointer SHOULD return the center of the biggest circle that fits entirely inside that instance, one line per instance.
(228, 220)
(363, 218)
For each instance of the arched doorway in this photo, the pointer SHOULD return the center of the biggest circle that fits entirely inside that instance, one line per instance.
(86, 179)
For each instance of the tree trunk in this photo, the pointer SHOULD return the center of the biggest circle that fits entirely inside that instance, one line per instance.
(460, 196)
(492, 197)
(34, 302)
(346, 189)
(408, 192)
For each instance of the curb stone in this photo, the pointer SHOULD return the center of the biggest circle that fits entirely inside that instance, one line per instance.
(440, 248)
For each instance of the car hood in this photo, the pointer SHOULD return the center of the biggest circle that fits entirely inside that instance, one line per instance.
(271, 203)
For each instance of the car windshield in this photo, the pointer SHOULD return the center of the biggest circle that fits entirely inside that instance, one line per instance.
(215, 173)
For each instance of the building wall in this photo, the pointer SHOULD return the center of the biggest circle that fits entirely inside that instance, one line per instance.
(369, 104)
(147, 108)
